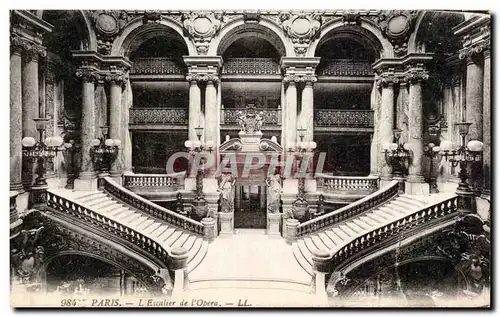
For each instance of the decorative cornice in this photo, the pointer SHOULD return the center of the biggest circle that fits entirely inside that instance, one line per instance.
(301, 29)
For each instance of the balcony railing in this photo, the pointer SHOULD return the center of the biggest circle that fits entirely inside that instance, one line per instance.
(347, 184)
(251, 66)
(165, 182)
(270, 116)
(157, 66)
(345, 67)
(344, 118)
(158, 116)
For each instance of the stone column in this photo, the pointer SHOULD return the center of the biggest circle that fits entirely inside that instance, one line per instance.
(307, 109)
(16, 128)
(211, 110)
(487, 122)
(386, 120)
(415, 124)
(375, 148)
(291, 113)
(194, 107)
(115, 122)
(31, 104)
(283, 115)
(87, 177)
(474, 97)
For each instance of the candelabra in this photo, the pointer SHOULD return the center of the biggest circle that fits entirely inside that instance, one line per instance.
(397, 155)
(200, 206)
(462, 156)
(104, 151)
(431, 151)
(42, 152)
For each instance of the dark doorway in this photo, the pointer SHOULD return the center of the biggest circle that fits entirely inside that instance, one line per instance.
(250, 207)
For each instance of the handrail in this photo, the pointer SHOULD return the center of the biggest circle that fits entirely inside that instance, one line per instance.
(364, 204)
(150, 208)
(363, 242)
(173, 181)
(71, 208)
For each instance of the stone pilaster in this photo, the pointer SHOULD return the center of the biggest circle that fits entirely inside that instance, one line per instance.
(16, 128)
(116, 129)
(87, 176)
(386, 120)
(415, 77)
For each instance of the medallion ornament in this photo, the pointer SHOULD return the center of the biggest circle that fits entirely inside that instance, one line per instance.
(201, 27)
(301, 29)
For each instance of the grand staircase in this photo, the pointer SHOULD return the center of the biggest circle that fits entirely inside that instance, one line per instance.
(166, 234)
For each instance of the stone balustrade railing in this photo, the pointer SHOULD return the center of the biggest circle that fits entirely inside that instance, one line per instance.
(335, 184)
(96, 220)
(365, 241)
(150, 208)
(344, 118)
(371, 201)
(166, 182)
(269, 116)
(157, 66)
(251, 66)
(344, 67)
(158, 116)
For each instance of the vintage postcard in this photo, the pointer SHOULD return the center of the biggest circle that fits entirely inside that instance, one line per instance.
(250, 158)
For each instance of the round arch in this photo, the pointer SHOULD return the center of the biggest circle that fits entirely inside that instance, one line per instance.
(265, 29)
(43, 268)
(83, 25)
(367, 33)
(136, 33)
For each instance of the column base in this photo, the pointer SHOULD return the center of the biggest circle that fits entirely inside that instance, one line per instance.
(385, 182)
(412, 188)
(17, 187)
(291, 186)
(226, 224)
(86, 182)
(116, 177)
(273, 225)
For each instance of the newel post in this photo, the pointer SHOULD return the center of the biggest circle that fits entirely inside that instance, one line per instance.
(209, 228)
(178, 264)
(291, 230)
(322, 266)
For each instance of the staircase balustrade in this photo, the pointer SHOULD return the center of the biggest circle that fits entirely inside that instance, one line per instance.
(369, 202)
(72, 209)
(436, 211)
(150, 208)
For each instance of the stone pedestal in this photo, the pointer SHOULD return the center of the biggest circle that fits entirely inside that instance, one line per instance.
(290, 186)
(273, 224)
(291, 230)
(208, 228)
(412, 188)
(226, 224)
(87, 181)
(178, 264)
(322, 266)
(310, 185)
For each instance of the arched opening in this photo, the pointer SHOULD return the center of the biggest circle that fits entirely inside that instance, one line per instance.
(160, 96)
(73, 274)
(62, 90)
(342, 94)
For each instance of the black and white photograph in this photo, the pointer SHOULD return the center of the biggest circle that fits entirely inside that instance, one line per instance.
(250, 158)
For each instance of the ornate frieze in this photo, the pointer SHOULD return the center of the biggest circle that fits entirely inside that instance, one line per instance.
(301, 29)
(108, 24)
(308, 79)
(201, 27)
(203, 78)
(396, 26)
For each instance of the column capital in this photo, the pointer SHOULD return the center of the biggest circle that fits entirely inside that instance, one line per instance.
(416, 74)
(88, 75)
(386, 79)
(307, 79)
(203, 78)
(116, 78)
(471, 52)
(30, 49)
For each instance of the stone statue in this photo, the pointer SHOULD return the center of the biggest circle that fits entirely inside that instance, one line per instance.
(273, 193)
(250, 121)
(226, 189)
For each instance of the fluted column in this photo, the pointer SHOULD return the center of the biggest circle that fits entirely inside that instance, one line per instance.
(291, 113)
(115, 120)
(307, 109)
(487, 121)
(386, 119)
(194, 107)
(211, 109)
(87, 175)
(415, 123)
(16, 131)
